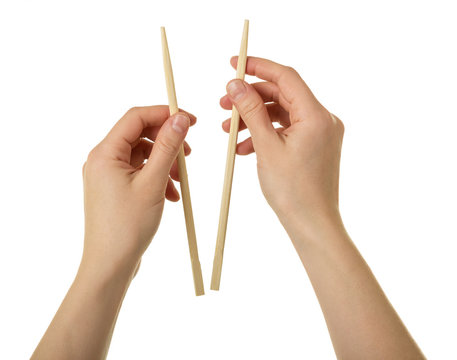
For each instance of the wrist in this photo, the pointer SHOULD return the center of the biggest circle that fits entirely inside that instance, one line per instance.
(105, 271)
(109, 255)
(313, 229)
(101, 285)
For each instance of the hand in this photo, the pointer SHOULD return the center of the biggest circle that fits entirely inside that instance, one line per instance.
(123, 197)
(123, 202)
(298, 163)
(298, 167)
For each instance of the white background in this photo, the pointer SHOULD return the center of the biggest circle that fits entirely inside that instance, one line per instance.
(69, 70)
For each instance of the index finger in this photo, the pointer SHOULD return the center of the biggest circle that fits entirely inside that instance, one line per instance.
(289, 82)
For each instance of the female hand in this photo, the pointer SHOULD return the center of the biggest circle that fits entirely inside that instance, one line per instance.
(298, 167)
(123, 196)
(298, 163)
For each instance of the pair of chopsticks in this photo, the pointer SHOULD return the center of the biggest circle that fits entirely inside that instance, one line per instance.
(230, 163)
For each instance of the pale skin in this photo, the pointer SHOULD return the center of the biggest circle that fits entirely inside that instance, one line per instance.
(298, 169)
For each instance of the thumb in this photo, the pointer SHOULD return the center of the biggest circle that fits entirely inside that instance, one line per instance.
(166, 147)
(253, 112)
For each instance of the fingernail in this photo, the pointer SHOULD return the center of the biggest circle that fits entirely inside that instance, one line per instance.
(180, 123)
(236, 89)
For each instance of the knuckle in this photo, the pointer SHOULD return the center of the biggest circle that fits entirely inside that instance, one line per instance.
(166, 147)
(132, 110)
(288, 73)
(292, 73)
(324, 124)
(291, 70)
(251, 108)
(92, 156)
(93, 159)
(341, 126)
(337, 122)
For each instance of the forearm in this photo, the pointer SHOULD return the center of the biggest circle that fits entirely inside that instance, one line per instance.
(82, 327)
(361, 321)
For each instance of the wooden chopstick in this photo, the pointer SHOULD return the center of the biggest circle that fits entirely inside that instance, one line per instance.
(229, 166)
(184, 182)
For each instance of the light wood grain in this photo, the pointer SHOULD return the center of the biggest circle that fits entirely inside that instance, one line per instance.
(184, 182)
(229, 167)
